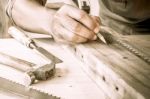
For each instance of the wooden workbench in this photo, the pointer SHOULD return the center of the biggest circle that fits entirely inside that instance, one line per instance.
(70, 81)
(118, 73)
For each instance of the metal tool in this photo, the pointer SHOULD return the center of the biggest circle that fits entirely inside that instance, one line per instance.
(21, 65)
(20, 36)
(16, 63)
(41, 72)
(20, 89)
(85, 5)
(32, 71)
(82, 4)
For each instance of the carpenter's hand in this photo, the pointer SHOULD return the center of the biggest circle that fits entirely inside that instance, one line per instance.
(71, 24)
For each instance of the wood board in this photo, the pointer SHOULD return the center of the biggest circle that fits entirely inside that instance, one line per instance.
(121, 74)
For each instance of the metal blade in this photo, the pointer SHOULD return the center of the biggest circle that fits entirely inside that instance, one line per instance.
(101, 37)
(20, 36)
(107, 35)
(46, 55)
(85, 5)
(20, 89)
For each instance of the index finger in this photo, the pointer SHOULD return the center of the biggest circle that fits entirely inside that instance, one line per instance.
(79, 15)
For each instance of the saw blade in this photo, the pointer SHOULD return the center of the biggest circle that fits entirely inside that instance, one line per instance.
(20, 89)
(111, 36)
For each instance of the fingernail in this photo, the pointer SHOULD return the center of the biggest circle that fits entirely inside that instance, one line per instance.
(94, 38)
(96, 30)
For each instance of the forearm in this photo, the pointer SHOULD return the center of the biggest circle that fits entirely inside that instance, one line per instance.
(32, 16)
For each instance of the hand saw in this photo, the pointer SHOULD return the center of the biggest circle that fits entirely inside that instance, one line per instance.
(17, 88)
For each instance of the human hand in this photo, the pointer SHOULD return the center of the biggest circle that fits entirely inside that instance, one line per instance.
(72, 25)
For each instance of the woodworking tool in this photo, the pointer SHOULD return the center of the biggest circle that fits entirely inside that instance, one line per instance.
(42, 72)
(32, 71)
(14, 62)
(82, 4)
(85, 5)
(20, 65)
(21, 90)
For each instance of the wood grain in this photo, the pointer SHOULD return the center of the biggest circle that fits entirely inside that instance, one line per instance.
(69, 82)
(118, 72)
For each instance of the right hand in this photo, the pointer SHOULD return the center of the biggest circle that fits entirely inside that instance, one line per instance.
(72, 25)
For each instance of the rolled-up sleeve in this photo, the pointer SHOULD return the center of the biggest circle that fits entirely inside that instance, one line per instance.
(8, 10)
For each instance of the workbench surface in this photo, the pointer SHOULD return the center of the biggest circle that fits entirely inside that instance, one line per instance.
(70, 81)
(92, 70)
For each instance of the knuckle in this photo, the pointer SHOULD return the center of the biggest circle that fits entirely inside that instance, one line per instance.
(82, 14)
(54, 26)
(90, 36)
(92, 25)
(98, 20)
(81, 40)
(55, 31)
(72, 38)
(77, 39)
(77, 27)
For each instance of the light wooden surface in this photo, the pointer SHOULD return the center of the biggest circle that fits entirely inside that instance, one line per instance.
(141, 42)
(119, 73)
(70, 81)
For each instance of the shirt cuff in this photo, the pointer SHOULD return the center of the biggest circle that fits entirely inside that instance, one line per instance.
(9, 8)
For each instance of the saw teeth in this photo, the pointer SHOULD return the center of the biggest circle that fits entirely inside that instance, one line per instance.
(45, 92)
(30, 88)
(19, 83)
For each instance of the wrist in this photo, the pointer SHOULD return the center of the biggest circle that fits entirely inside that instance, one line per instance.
(49, 13)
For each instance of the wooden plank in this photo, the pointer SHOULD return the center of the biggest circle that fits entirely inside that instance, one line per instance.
(123, 59)
(141, 42)
(129, 80)
(118, 72)
(128, 65)
(126, 70)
